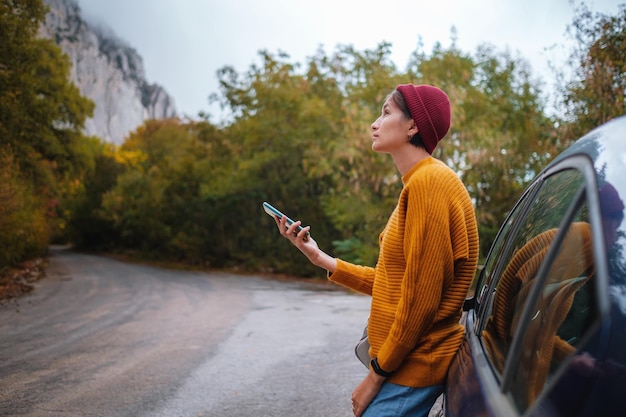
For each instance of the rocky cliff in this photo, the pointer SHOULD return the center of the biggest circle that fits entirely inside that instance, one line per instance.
(108, 71)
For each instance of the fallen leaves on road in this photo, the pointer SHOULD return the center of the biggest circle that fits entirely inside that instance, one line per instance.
(19, 280)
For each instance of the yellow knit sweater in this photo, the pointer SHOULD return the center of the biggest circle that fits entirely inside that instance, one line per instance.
(428, 256)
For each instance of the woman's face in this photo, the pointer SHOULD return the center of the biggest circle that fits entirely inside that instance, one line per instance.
(392, 130)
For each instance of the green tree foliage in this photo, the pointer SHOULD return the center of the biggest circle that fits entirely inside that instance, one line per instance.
(194, 191)
(41, 118)
(364, 185)
(597, 91)
(152, 158)
(300, 138)
(23, 231)
(278, 140)
(41, 112)
(87, 226)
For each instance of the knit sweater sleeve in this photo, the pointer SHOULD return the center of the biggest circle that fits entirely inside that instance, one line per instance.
(429, 203)
(356, 277)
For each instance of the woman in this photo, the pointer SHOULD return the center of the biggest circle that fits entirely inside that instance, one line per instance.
(427, 259)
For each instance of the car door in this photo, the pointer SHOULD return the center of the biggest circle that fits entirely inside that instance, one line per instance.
(538, 299)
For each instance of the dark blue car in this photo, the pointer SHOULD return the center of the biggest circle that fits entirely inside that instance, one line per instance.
(546, 328)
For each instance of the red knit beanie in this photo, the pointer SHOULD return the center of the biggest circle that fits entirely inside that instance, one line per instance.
(612, 205)
(430, 109)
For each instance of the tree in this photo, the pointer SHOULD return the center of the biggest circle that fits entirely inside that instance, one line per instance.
(23, 231)
(277, 140)
(364, 186)
(137, 205)
(87, 225)
(597, 91)
(301, 139)
(41, 113)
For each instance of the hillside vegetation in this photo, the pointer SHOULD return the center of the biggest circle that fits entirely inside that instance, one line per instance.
(298, 136)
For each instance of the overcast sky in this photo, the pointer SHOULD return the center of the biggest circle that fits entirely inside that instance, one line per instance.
(184, 42)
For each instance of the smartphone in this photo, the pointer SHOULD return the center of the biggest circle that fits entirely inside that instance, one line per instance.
(274, 212)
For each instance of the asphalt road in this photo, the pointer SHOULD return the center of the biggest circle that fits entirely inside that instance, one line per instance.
(99, 337)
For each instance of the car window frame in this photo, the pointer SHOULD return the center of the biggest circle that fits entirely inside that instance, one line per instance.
(583, 164)
(494, 381)
(515, 218)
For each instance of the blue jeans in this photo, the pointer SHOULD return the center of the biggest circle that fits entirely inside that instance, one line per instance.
(399, 401)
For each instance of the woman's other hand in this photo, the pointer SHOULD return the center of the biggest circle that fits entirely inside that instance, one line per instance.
(367, 390)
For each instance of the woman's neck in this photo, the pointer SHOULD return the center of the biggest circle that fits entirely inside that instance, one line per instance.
(408, 157)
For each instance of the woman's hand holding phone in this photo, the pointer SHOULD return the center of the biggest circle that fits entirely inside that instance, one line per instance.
(293, 231)
(301, 238)
(277, 214)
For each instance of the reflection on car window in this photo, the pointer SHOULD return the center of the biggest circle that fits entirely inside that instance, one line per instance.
(498, 252)
(612, 218)
(561, 315)
(564, 309)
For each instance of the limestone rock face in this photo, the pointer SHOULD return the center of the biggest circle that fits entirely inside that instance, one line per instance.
(108, 71)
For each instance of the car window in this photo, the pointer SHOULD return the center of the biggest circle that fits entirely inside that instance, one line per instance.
(548, 244)
(495, 259)
(561, 313)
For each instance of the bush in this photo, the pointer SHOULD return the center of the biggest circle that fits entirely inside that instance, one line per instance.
(23, 227)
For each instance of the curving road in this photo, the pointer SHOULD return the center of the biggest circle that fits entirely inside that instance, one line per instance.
(99, 337)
